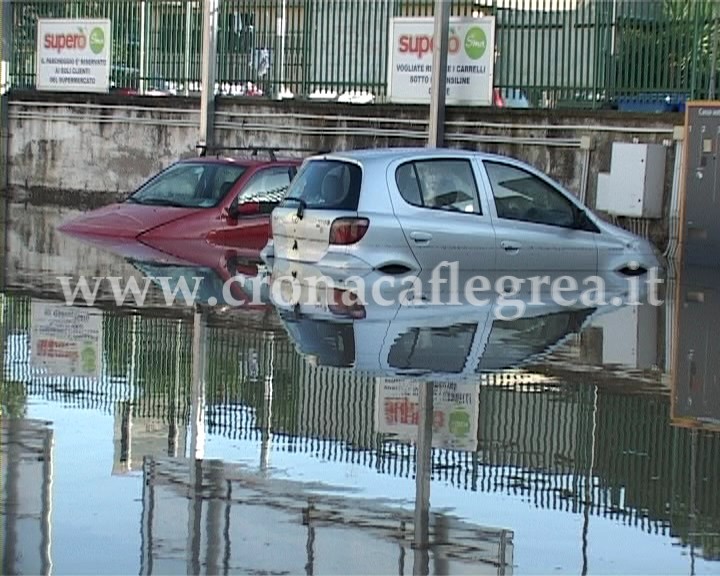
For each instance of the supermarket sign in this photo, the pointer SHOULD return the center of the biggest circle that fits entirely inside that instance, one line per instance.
(73, 55)
(455, 412)
(471, 58)
(65, 340)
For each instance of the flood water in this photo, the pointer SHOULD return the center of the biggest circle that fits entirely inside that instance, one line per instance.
(167, 440)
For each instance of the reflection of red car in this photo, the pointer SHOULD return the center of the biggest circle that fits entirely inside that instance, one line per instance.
(220, 269)
(225, 201)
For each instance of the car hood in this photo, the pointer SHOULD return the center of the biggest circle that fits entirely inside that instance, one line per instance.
(124, 220)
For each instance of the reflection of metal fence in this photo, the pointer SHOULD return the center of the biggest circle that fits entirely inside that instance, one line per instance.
(614, 455)
(548, 52)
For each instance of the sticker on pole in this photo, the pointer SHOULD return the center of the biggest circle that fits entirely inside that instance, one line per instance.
(73, 55)
(471, 57)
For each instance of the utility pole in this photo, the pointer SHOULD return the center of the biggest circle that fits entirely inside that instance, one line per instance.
(438, 85)
(6, 50)
(209, 60)
(713, 58)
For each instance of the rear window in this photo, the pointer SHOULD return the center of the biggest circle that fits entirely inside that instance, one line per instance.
(326, 184)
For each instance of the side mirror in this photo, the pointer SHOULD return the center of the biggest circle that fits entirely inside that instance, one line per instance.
(245, 209)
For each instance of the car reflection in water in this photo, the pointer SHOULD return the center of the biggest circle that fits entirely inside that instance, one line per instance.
(438, 341)
(192, 263)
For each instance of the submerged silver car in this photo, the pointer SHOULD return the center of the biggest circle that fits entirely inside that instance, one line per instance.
(401, 211)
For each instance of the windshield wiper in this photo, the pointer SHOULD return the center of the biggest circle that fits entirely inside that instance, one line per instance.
(162, 202)
(302, 205)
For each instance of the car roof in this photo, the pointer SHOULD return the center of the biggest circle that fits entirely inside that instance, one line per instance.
(388, 154)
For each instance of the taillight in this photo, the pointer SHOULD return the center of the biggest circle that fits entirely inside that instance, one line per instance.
(348, 230)
(345, 304)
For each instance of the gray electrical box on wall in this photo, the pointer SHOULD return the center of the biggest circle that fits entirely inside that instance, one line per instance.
(634, 186)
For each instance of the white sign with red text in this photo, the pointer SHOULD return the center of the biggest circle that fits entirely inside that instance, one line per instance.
(73, 55)
(65, 340)
(455, 412)
(471, 58)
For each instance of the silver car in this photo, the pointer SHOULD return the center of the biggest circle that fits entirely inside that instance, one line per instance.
(399, 211)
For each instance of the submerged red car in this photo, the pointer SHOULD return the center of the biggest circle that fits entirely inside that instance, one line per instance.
(226, 201)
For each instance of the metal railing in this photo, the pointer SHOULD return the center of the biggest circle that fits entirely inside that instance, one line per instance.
(549, 53)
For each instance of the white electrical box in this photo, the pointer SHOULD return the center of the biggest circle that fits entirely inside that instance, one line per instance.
(630, 337)
(636, 181)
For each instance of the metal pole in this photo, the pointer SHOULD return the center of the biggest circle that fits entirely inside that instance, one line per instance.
(143, 47)
(713, 58)
(209, 58)
(6, 55)
(282, 49)
(188, 38)
(438, 84)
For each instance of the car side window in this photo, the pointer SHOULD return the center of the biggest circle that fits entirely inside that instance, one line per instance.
(268, 185)
(520, 195)
(445, 184)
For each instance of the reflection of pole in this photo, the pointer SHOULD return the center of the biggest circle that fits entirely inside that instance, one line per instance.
(197, 445)
(126, 435)
(12, 495)
(693, 480)
(423, 472)
(174, 416)
(195, 516)
(439, 74)
(226, 531)
(148, 509)
(268, 365)
(133, 354)
(588, 485)
(442, 536)
(197, 424)
(47, 564)
(213, 518)
(310, 542)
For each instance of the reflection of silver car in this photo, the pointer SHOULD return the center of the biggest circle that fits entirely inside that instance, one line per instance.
(451, 341)
(406, 210)
(451, 335)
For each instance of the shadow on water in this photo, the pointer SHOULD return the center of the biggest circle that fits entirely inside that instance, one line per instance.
(293, 441)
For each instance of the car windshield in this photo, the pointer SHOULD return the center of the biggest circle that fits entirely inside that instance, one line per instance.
(189, 185)
(328, 184)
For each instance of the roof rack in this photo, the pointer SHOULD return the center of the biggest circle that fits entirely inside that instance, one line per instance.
(271, 150)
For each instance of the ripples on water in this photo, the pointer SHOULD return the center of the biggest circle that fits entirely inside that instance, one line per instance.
(562, 446)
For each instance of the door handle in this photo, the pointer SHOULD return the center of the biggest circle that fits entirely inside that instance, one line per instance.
(421, 237)
(509, 246)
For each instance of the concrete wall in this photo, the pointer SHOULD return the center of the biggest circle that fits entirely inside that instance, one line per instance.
(107, 145)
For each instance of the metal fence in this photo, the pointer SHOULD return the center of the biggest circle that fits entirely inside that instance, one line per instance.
(549, 53)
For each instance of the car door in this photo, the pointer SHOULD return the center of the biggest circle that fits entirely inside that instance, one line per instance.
(442, 213)
(537, 227)
(245, 220)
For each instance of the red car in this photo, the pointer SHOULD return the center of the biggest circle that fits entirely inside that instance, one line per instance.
(225, 201)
